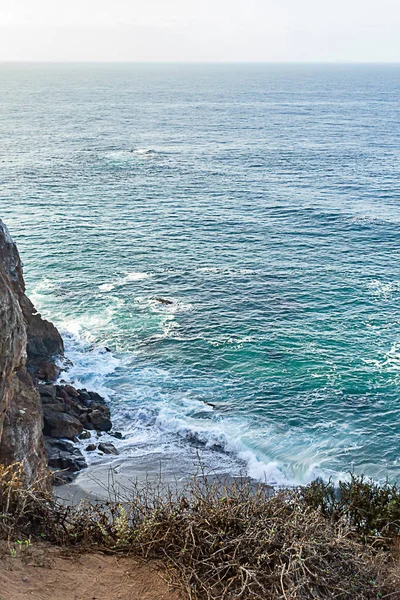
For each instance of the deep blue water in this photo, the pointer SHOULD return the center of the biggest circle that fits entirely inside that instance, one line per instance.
(264, 202)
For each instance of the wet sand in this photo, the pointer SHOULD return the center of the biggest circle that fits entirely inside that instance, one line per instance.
(117, 478)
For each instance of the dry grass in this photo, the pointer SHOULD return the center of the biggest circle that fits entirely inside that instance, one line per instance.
(230, 542)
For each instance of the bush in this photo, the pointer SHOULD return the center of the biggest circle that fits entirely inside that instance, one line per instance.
(370, 510)
(223, 542)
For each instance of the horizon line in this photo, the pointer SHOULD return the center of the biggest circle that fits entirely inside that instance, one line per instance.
(202, 62)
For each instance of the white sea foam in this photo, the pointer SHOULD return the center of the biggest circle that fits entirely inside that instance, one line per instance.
(154, 419)
(145, 152)
(374, 219)
(135, 277)
(392, 358)
(147, 427)
(222, 436)
(383, 289)
(121, 281)
(226, 271)
(176, 306)
(39, 295)
(88, 365)
(106, 287)
(238, 341)
(168, 324)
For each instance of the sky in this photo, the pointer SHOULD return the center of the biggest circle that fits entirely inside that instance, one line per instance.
(200, 30)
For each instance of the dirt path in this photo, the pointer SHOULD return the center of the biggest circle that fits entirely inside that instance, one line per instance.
(45, 574)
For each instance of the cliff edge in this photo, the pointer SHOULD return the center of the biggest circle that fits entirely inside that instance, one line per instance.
(28, 345)
(31, 404)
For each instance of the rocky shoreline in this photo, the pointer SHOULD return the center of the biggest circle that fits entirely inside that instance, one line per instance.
(70, 416)
(41, 420)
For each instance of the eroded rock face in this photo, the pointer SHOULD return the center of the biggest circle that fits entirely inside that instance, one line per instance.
(44, 342)
(26, 341)
(30, 402)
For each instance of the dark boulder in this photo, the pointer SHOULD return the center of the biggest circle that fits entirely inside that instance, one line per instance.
(91, 448)
(107, 448)
(64, 456)
(164, 301)
(71, 391)
(52, 406)
(61, 425)
(84, 397)
(97, 398)
(47, 390)
(99, 420)
(43, 370)
(89, 408)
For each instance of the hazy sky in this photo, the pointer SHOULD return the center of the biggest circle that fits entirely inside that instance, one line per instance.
(200, 30)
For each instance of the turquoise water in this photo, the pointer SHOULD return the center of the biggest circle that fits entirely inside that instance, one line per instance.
(264, 201)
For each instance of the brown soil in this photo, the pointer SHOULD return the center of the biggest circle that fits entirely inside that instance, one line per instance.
(43, 573)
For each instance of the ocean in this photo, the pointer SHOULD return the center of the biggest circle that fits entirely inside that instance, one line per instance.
(263, 202)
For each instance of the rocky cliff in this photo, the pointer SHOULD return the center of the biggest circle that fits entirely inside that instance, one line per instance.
(31, 404)
(28, 345)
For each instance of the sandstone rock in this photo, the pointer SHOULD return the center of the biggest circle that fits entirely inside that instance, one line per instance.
(21, 427)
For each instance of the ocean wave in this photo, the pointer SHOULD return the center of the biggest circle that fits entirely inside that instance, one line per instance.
(88, 365)
(391, 359)
(150, 417)
(42, 291)
(172, 307)
(215, 437)
(384, 289)
(238, 341)
(121, 281)
(93, 367)
(144, 151)
(368, 220)
(166, 311)
(230, 271)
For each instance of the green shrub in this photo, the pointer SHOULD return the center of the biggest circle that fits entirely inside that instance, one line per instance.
(370, 510)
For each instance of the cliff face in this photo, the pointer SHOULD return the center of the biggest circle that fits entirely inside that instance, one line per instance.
(43, 340)
(28, 345)
(29, 399)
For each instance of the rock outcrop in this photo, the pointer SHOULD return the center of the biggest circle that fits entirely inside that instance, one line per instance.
(39, 420)
(21, 419)
(44, 342)
(67, 411)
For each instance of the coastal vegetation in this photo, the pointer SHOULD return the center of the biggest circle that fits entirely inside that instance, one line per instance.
(224, 542)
